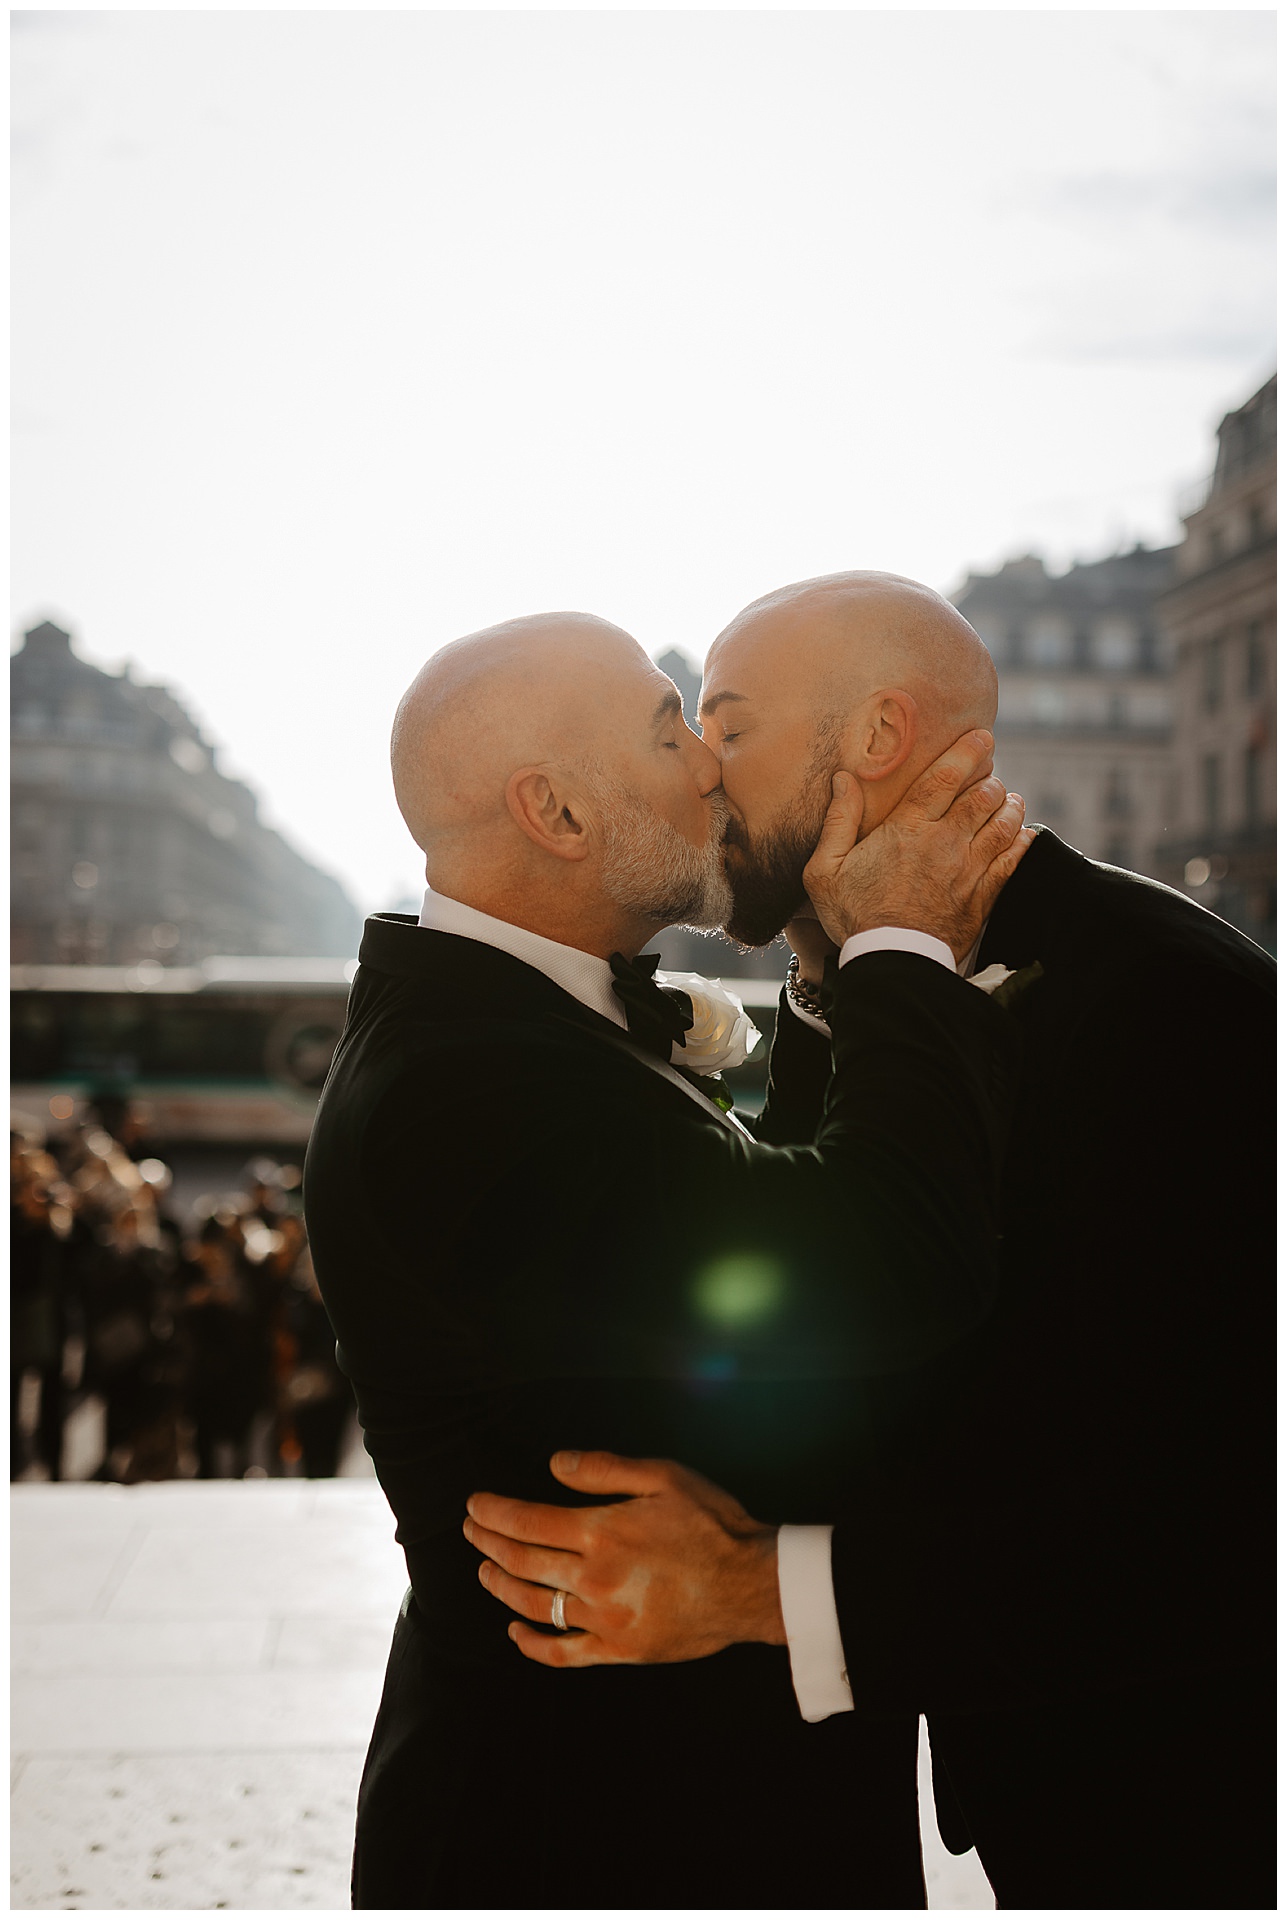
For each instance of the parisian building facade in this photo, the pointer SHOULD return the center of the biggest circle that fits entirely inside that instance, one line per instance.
(1138, 692)
(1219, 619)
(1086, 720)
(128, 844)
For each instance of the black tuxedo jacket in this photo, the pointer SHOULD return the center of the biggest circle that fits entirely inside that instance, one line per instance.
(1064, 1558)
(526, 1238)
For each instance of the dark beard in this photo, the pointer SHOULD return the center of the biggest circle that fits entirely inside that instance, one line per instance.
(768, 880)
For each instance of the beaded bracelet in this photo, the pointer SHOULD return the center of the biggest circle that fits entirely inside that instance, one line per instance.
(799, 993)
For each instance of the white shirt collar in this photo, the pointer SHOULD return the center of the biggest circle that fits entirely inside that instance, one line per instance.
(583, 975)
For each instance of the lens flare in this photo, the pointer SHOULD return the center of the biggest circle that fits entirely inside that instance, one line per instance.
(739, 1289)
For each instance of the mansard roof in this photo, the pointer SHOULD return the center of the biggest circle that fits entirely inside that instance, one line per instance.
(1129, 581)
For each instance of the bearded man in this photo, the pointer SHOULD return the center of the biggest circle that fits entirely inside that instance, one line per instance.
(527, 1215)
(1063, 1552)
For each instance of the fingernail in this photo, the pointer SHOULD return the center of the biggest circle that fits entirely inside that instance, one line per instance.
(839, 782)
(469, 1504)
(485, 1573)
(512, 1630)
(566, 1462)
(468, 1529)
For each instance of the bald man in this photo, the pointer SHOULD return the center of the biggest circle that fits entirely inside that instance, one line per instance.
(1065, 1559)
(530, 1211)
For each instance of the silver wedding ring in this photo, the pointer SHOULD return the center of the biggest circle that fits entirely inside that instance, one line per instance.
(556, 1613)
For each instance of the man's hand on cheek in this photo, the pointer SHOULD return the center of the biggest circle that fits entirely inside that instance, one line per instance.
(676, 1571)
(937, 862)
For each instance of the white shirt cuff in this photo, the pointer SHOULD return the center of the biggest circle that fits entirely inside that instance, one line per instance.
(897, 940)
(812, 1628)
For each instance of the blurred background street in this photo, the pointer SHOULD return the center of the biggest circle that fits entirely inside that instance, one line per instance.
(195, 1674)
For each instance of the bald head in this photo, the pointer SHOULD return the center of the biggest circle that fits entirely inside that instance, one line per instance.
(848, 634)
(865, 671)
(545, 768)
(529, 692)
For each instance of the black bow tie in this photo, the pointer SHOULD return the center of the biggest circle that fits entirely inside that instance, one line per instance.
(656, 1017)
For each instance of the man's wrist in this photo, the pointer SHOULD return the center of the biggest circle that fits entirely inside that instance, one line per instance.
(804, 994)
(818, 1022)
(762, 1603)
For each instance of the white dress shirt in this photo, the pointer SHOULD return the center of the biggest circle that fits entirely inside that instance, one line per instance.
(584, 975)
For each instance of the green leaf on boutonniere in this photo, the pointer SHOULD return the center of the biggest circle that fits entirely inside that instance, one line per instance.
(712, 1085)
(1008, 992)
(709, 1085)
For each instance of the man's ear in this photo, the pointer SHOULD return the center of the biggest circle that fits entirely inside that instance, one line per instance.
(885, 735)
(549, 812)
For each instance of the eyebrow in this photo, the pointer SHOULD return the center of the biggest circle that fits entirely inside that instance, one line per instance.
(714, 700)
(670, 703)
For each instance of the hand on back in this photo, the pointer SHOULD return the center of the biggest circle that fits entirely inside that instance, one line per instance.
(675, 1571)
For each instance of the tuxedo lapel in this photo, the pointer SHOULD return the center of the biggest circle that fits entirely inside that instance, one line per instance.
(465, 978)
(686, 1083)
(475, 982)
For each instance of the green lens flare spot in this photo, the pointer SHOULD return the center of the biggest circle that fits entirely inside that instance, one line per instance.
(739, 1289)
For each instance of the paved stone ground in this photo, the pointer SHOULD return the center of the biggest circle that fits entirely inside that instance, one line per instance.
(196, 1671)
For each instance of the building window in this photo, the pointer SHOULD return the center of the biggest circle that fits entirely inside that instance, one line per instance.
(1211, 791)
(1014, 649)
(1252, 765)
(1050, 643)
(1117, 852)
(1212, 673)
(1081, 657)
(1255, 663)
(1117, 645)
(1116, 710)
(1148, 650)
(1117, 796)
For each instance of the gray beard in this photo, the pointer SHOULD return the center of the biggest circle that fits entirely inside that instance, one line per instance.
(650, 870)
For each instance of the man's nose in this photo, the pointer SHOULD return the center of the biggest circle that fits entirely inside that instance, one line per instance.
(705, 765)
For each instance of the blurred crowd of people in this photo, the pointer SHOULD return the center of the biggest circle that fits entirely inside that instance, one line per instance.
(205, 1342)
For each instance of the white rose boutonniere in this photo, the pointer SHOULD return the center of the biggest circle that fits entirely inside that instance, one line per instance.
(991, 978)
(1006, 984)
(722, 1034)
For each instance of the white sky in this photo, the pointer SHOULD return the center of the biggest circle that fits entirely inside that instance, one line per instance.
(340, 334)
